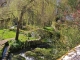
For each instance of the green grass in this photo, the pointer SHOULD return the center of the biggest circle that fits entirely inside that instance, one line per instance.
(50, 29)
(5, 34)
(31, 38)
(24, 38)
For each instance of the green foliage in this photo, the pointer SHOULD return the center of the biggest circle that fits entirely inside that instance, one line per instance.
(1, 52)
(22, 38)
(69, 35)
(72, 35)
(50, 29)
(41, 14)
(73, 3)
(41, 51)
(15, 44)
(40, 54)
(29, 53)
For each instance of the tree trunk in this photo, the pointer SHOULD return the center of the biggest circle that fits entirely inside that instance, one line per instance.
(17, 32)
(18, 25)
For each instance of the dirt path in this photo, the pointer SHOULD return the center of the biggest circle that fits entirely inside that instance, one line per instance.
(4, 41)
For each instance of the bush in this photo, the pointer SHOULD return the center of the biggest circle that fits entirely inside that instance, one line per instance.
(40, 54)
(29, 53)
(15, 45)
(17, 57)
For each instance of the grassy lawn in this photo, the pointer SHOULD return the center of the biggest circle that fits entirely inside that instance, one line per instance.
(23, 38)
(6, 34)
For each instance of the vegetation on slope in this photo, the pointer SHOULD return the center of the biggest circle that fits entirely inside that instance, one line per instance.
(59, 24)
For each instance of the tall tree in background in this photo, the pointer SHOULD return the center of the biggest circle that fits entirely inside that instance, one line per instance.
(39, 14)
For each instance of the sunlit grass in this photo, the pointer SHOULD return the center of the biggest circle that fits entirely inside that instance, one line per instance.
(24, 38)
(5, 34)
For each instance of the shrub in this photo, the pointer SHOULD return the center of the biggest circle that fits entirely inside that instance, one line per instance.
(17, 57)
(15, 45)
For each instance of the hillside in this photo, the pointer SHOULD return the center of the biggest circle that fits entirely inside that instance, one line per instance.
(42, 29)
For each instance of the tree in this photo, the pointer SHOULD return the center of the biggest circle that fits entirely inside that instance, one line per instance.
(24, 9)
(37, 12)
